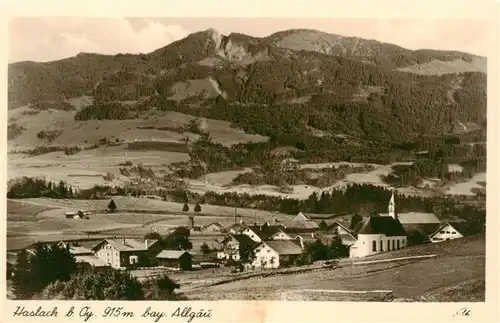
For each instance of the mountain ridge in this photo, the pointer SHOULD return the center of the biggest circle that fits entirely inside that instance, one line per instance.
(336, 84)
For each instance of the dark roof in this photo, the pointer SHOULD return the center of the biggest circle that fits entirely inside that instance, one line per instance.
(265, 231)
(382, 225)
(243, 239)
(238, 227)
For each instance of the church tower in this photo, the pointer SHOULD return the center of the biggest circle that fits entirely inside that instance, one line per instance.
(392, 207)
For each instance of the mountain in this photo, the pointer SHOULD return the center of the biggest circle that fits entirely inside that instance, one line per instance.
(290, 86)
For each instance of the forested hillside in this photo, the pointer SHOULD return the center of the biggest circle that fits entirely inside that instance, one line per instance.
(329, 96)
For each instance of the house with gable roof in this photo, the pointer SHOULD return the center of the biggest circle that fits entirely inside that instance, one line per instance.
(275, 254)
(123, 253)
(449, 231)
(175, 259)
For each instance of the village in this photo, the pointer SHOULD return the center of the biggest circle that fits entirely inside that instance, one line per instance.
(257, 246)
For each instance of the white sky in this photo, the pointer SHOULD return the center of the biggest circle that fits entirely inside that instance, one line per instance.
(46, 39)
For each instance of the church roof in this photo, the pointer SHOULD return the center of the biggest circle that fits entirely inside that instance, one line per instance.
(381, 225)
(416, 217)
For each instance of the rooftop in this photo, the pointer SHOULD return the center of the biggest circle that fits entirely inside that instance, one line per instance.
(128, 244)
(381, 225)
(92, 260)
(416, 217)
(171, 254)
(284, 247)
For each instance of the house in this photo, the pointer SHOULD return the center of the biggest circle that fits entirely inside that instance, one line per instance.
(275, 253)
(449, 231)
(236, 242)
(280, 235)
(378, 234)
(123, 253)
(264, 231)
(252, 232)
(345, 234)
(175, 259)
(70, 214)
(301, 217)
(215, 227)
(237, 228)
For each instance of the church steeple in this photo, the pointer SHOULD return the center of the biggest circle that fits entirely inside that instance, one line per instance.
(392, 207)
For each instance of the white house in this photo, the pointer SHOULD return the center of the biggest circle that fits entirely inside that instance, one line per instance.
(275, 253)
(215, 227)
(445, 232)
(280, 235)
(379, 234)
(122, 253)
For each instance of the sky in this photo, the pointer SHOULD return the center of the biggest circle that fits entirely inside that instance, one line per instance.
(47, 39)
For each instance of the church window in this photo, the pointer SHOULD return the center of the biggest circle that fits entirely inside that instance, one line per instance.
(398, 244)
(381, 245)
(388, 245)
(393, 244)
(374, 245)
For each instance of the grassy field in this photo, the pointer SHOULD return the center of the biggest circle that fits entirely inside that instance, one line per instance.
(466, 188)
(90, 131)
(33, 220)
(460, 267)
(221, 182)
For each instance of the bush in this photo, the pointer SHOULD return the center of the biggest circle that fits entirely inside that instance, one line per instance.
(92, 284)
(48, 135)
(14, 130)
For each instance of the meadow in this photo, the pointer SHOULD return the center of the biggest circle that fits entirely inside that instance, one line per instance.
(459, 265)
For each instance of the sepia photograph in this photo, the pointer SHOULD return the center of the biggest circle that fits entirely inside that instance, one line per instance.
(269, 159)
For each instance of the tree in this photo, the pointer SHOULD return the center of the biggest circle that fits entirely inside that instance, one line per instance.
(338, 249)
(112, 206)
(154, 236)
(48, 265)
(109, 284)
(318, 251)
(178, 240)
(185, 208)
(197, 208)
(161, 288)
(23, 287)
(205, 248)
(355, 219)
(323, 226)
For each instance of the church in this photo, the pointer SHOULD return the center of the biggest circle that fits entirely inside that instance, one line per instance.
(379, 234)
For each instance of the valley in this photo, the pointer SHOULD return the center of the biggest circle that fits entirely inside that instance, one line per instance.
(185, 144)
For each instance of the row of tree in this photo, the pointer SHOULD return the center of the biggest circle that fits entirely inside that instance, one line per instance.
(52, 273)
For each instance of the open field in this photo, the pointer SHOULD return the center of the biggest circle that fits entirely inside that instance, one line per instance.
(221, 182)
(32, 220)
(466, 188)
(90, 131)
(98, 162)
(461, 266)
